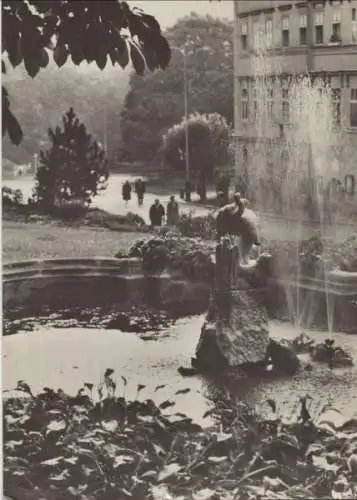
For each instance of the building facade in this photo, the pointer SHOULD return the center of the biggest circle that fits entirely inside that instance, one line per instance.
(318, 38)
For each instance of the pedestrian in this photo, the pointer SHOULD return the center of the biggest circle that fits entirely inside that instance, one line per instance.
(172, 212)
(220, 199)
(156, 213)
(126, 192)
(140, 189)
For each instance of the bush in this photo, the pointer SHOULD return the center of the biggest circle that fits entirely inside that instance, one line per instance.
(11, 197)
(187, 257)
(197, 227)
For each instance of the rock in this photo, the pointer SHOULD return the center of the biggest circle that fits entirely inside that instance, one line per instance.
(283, 357)
(120, 322)
(326, 352)
(238, 337)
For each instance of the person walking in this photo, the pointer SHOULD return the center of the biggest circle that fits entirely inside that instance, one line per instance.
(140, 189)
(126, 192)
(156, 213)
(172, 212)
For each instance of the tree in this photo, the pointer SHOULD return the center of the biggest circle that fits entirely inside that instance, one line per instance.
(74, 167)
(32, 30)
(156, 101)
(96, 96)
(208, 147)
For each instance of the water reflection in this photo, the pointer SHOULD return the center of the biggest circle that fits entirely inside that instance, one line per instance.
(69, 357)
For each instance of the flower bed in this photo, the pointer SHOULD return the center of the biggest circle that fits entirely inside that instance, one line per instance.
(100, 445)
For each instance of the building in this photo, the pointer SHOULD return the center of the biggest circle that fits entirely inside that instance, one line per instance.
(314, 37)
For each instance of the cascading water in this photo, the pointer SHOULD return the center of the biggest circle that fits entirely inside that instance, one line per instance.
(291, 165)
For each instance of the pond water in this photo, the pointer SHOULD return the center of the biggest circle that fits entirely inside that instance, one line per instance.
(68, 357)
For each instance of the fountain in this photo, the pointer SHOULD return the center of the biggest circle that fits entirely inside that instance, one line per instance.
(293, 170)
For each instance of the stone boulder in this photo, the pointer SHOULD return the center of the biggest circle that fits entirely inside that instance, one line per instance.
(283, 357)
(239, 336)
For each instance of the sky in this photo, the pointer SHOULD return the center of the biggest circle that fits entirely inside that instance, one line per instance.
(167, 12)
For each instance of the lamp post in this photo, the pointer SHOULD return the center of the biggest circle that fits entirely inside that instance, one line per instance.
(187, 155)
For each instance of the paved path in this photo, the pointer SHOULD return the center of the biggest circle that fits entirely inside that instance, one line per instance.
(111, 201)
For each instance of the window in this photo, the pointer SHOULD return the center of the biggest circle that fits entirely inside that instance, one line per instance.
(354, 32)
(336, 104)
(353, 114)
(255, 103)
(303, 29)
(244, 102)
(336, 26)
(285, 34)
(269, 32)
(354, 25)
(270, 103)
(285, 104)
(244, 36)
(256, 26)
(319, 28)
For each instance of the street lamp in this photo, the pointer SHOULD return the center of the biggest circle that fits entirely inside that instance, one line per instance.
(183, 51)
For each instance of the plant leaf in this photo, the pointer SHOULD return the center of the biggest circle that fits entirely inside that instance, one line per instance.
(166, 404)
(158, 387)
(168, 471)
(182, 391)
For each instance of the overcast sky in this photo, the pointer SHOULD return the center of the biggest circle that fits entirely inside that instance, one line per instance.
(167, 12)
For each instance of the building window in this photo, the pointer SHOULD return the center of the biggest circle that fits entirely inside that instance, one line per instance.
(336, 105)
(269, 32)
(354, 25)
(319, 28)
(256, 28)
(270, 103)
(303, 29)
(336, 26)
(285, 105)
(285, 34)
(244, 103)
(244, 36)
(255, 103)
(353, 115)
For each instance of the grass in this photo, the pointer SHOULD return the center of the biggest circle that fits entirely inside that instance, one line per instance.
(21, 241)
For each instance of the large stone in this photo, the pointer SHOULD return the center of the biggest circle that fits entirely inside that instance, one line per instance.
(237, 338)
(283, 357)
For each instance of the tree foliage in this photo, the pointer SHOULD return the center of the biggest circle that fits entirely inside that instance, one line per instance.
(208, 145)
(156, 102)
(95, 95)
(85, 31)
(74, 168)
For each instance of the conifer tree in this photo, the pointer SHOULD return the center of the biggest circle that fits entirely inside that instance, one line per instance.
(74, 168)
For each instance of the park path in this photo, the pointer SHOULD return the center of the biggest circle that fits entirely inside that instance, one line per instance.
(272, 227)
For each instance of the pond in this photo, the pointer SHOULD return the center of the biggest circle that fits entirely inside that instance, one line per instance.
(68, 357)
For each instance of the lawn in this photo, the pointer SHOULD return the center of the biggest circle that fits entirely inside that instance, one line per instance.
(21, 241)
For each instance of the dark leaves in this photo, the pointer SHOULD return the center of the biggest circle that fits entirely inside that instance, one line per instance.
(9, 122)
(32, 66)
(3, 68)
(182, 391)
(160, 386)
(166, 404)
(137, 59)
(60, 55)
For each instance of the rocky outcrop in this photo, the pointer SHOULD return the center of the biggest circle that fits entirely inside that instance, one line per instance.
(283, 358)
(236, 332)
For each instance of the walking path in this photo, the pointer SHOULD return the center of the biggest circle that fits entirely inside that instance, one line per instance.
(272, 226)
